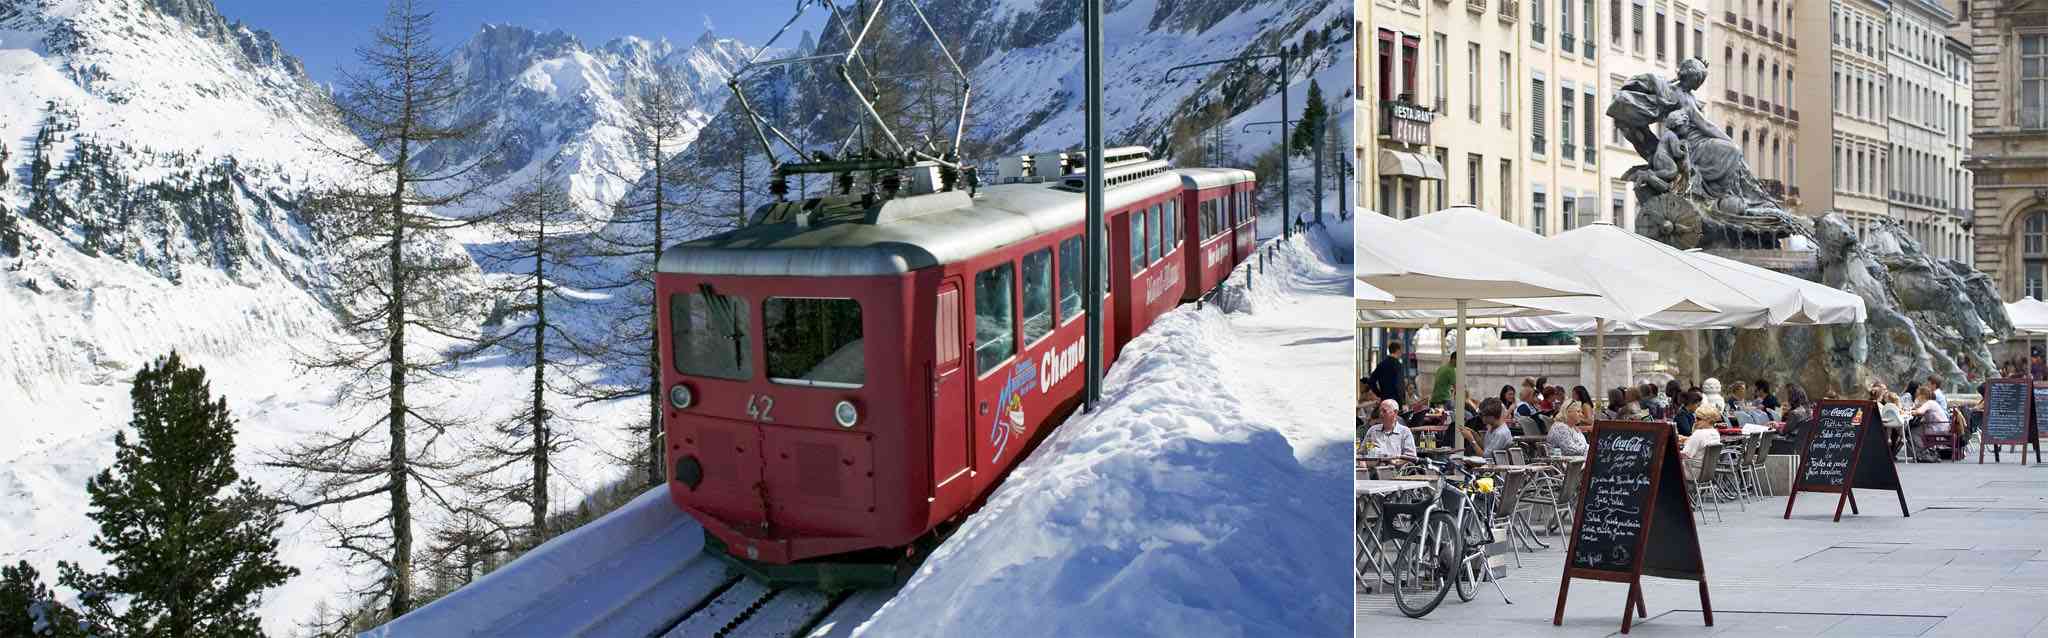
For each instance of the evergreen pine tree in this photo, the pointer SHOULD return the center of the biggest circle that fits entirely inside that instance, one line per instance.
(28, 609)
(191, 546)
(1314, 116)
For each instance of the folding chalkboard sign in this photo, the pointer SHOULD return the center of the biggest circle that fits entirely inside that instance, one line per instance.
(1633, 517)
(2010, 409)
(1842, 452)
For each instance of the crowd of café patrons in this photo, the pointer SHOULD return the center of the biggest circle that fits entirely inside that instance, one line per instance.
(1388, 407)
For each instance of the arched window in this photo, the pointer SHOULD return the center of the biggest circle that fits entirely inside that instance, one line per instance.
(2034, 249)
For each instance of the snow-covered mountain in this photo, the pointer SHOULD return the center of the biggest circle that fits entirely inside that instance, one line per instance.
(157, 155)
(549, 105)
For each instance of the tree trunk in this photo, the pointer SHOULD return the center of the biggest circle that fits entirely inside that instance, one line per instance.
(401, 503)
(655, 458)
(540, 350)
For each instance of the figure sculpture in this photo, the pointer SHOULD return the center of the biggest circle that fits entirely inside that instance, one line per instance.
(1697, 186)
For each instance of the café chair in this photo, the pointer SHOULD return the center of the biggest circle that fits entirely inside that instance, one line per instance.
(1704, 490)
(1756, 464)
(1728, 475)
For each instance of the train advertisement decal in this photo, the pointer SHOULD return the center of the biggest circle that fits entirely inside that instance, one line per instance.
(1009, 417)
(1215, 254)
(1164, 279)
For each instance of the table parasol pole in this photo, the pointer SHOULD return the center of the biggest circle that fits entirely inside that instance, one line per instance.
(1458, 395)
(1599, 359)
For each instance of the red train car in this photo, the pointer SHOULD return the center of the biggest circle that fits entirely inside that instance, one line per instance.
(846, 375)
(1211, 208)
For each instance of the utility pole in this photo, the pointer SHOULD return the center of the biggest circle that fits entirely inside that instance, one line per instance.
(1091, 46)
(1319, 176)
(1286, 185)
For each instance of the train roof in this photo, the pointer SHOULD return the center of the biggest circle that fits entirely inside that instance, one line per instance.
(843, 236)
(1213, 177)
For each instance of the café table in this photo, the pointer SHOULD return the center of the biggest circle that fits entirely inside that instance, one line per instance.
(1371, 495)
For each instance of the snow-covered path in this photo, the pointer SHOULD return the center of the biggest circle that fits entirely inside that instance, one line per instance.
(1292, 362)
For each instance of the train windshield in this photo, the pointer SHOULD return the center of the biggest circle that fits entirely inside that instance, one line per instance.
(814, 341)
(710, 335)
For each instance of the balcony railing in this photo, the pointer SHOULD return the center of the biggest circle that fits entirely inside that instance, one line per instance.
(1443, 105)
(1778, 109)
(1592, 155)
(1746, 25)
(1791, 42)
(1478, 7)
(1778, 37)
(1748, 102)
(1566, 43)
(1793, 190)
(1734, 97)
(1510, 10)
(1568, 151)
(1730, 18)
(1507, 120)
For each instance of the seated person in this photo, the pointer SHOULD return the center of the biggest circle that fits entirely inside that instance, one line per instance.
(1693, 446)
(1566, 441)
(1498, 437)
(1929, 418)
(1389, 438)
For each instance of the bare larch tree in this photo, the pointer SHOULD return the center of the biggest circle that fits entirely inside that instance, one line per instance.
(395, 283)
(538, 221)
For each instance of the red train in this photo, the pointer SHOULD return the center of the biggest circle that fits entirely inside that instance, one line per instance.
(848, 374)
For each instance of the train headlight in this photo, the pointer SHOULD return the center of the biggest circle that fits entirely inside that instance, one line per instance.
(845, 414)
(680, 396)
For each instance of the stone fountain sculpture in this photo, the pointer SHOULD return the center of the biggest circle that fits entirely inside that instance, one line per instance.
(1927, 316)
(1697, 189)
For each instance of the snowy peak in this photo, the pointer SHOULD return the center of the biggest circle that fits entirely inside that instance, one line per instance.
(256, 45)
(556, 108)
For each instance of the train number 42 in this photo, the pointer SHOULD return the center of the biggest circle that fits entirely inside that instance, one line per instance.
(759, 405)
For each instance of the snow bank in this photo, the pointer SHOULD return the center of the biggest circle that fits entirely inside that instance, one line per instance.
(1173, 510)
(607, 550)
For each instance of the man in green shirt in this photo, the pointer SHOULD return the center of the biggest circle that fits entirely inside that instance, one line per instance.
(1446, 376)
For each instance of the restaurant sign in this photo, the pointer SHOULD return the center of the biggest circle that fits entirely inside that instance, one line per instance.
(1405, 122)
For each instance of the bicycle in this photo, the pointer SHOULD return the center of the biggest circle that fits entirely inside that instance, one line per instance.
(1441, 547)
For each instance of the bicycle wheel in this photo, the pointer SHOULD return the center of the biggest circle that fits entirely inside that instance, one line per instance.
(1474, 540)
(1427, 570)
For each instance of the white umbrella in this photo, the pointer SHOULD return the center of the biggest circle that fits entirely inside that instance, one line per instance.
(1819, 304)
(1426, 271)
(2029, 317)
(1626, 293)
(1364, 291)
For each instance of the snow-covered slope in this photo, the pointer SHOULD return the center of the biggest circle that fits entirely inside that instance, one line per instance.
(158, 157)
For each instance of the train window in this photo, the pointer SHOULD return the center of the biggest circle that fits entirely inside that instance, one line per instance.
(709, 332)
(1169, 229)
(1072, 271)
(1137, 241)
(813, 341)
(995, 317)
(947, 328)
(1037, 295)
(1202, 222)
(1152, 235)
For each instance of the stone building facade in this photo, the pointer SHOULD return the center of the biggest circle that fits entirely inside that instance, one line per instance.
(2009, 143)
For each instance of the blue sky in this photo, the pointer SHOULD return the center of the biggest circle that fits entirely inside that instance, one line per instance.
(325, 33)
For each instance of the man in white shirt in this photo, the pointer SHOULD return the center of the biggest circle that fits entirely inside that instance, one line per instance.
(1934, 381)
(1390, 438)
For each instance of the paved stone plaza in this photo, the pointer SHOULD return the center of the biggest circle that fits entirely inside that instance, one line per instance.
(1971, 561)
